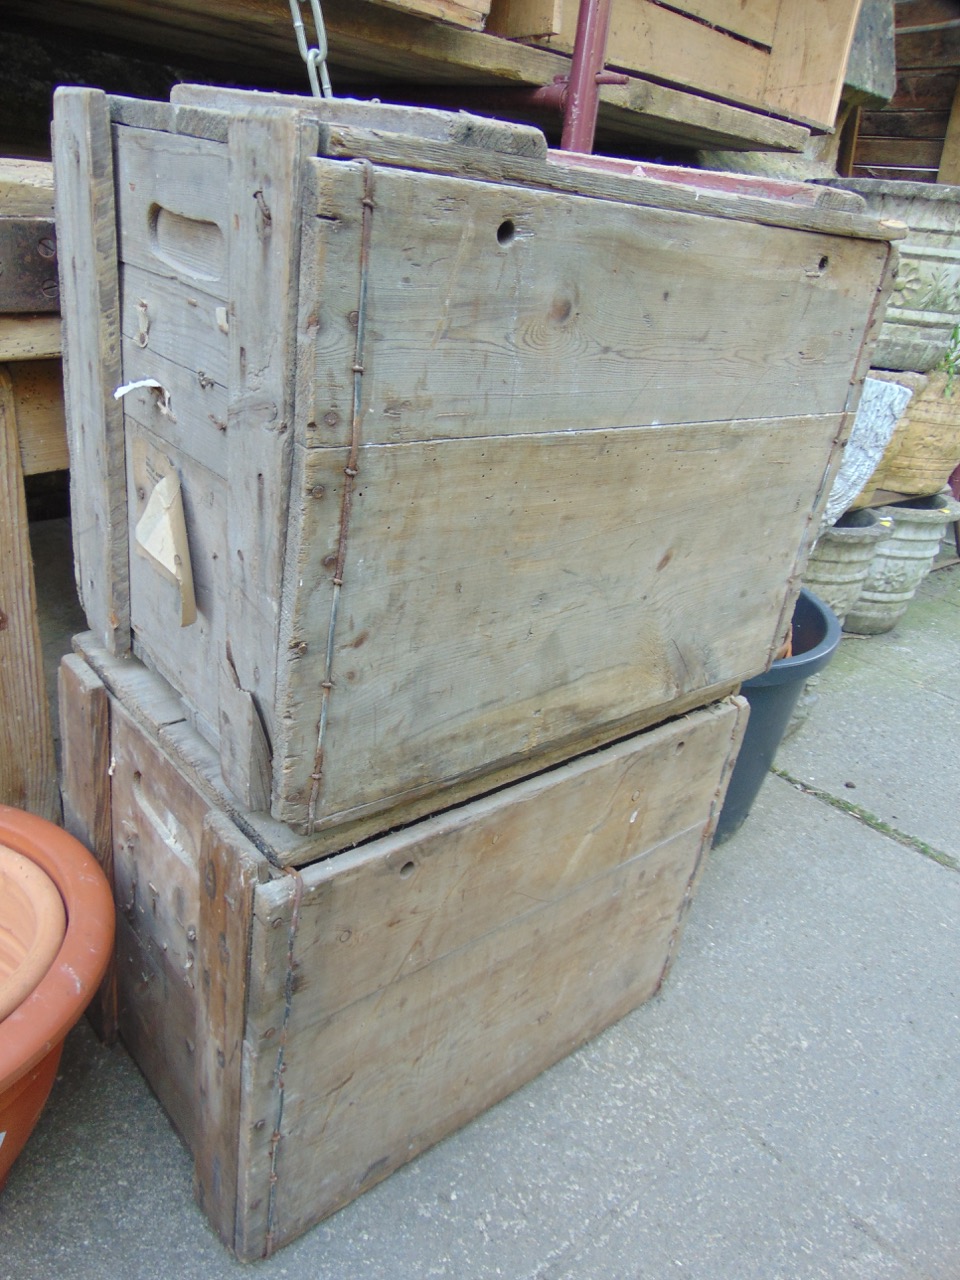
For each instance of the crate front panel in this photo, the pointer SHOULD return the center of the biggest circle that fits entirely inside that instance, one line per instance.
(438, 969)
(590, 313)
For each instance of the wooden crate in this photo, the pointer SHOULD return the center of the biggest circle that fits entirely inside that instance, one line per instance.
(483, 459)
(787, 57)
(309, 1032)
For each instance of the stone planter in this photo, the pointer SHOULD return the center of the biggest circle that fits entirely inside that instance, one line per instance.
(901, 561)
(926, 300)
(841, 559)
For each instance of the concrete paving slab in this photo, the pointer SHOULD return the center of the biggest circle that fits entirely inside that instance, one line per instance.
(884, 731)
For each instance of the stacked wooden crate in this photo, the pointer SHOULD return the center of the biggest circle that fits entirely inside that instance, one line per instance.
(432, 495)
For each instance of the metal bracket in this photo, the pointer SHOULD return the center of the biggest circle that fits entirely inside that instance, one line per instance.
(28, 266)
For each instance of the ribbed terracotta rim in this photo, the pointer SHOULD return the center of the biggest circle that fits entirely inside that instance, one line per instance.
(56, 1004)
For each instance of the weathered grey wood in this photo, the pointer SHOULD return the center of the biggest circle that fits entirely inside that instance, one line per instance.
(172, 213)
(28, 771)
(500, 594)
(267, 156)
(89, 299)
(516, 929)
(229, 874)
(84, 713)
(457, 127)
(153, 705)
(186, 656)
(155, 817)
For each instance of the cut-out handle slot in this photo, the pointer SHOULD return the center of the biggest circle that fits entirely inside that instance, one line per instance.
(191, 245)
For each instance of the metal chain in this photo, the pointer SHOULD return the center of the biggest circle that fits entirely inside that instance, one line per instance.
(315, 58)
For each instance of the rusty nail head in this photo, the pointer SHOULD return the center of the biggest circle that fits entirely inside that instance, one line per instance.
(331, 418)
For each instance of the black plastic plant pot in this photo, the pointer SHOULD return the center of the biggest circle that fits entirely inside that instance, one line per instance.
(772, 698)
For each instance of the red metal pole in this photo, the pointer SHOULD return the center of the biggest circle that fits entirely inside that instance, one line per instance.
(583, 100)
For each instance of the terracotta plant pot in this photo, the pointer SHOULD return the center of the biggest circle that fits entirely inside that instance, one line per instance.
(32, 1035)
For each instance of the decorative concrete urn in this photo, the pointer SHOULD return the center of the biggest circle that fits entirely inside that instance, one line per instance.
(925, 304)
(901, 561)
(840, 561)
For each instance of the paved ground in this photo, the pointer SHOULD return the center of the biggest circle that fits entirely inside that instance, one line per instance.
(786, 1108)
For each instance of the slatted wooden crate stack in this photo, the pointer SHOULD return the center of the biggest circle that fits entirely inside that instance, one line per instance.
(450, 492)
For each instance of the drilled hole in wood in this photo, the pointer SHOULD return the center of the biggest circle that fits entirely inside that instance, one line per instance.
(823, 263)
(506, 231)
(408, 869)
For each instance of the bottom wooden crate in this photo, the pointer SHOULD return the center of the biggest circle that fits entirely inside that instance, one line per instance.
(311, 1030)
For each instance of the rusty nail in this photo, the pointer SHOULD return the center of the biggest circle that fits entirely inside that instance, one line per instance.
(331, 418)
(317, 491)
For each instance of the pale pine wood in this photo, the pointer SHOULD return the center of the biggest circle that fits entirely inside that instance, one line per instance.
(791, 62)
(466, 15)
(809, 56)
(229, 874)
(27, 764)
(30, 337)
(38, 391)
(86, 224)
(85, 771)
(949, 170)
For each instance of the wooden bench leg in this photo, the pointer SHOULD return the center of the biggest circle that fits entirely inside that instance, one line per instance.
(28, 774)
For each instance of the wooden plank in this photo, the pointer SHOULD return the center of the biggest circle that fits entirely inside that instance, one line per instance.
(809, 56)
(157, 832)
(894, 153)
(466, 1004)
(28, 771)
(924, 13)
(26, 188)
(85, 783)
(470, 15)
(38, 391)
(756, 21)
(937, 48)
(229, 873)
(458, 128)
(926, 90)
(835, 217)
(88, 256)
(267, 156)
(949, 170)
(904, 124)
(34, 337)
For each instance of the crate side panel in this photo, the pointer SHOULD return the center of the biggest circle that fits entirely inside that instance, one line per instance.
(186, 656)
(158, 821)
(503, 595)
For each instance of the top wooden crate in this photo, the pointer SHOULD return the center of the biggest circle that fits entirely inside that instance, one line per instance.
(484, 458)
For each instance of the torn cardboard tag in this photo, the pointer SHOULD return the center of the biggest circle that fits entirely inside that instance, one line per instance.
(161, 536)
